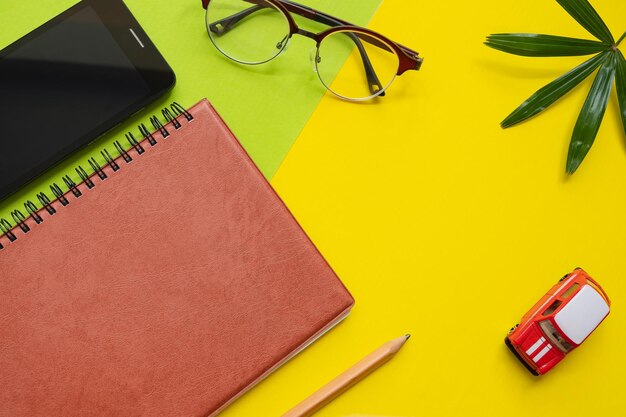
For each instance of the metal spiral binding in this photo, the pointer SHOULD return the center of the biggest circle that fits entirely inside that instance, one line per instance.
(58, 192)
(109, 160)
(122, 152)
(45, 202)
(5, 228)
(181, 111)
(97, 169)
(20, 220)
(133, 142)
(147, 135)
(31, 208)
(167, 114)
(171, 116)
(159, 126)
(84, 177)
(71, 185)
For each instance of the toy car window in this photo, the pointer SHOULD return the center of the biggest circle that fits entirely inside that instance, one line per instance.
(552, 307)
(571, 290)
(553, 335)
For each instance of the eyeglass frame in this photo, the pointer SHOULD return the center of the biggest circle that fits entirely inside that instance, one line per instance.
(408, 59)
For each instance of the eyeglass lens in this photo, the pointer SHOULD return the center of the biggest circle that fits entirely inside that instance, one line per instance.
(353, 65)
(368, 67)
(247, 32)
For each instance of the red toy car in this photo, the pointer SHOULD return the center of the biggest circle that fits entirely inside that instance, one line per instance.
(559, 322)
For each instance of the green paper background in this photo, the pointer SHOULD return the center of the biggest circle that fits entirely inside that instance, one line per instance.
(266, 106)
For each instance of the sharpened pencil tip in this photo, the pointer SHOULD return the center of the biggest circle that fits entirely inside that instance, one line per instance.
(408, 336)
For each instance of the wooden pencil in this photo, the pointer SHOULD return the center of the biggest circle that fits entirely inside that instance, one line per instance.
(348, 379)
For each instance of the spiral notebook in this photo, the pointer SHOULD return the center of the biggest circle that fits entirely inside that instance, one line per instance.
(167, 282)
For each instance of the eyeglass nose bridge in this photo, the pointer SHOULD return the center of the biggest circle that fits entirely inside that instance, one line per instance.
(307, 34)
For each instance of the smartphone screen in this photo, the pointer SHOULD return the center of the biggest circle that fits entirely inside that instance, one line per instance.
(61, 88)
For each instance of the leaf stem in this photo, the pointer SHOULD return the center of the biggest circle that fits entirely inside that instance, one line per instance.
(621, 39)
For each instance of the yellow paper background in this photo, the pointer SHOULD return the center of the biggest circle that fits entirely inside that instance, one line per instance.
(448, 227)
(445, 226)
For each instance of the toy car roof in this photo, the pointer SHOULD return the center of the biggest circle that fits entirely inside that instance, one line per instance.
(582, 314)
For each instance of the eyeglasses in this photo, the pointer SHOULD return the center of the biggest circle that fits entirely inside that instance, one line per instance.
(352, 62)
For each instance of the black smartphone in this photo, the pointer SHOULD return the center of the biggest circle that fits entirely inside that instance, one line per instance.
(68, 82)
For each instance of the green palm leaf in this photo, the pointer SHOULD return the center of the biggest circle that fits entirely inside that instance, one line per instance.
(591, 115)
(538, 45)
(620, 82)
(609, 59)
(586, 15)
(546, 96)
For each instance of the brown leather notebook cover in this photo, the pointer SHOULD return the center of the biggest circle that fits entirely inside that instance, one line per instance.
(168, 289)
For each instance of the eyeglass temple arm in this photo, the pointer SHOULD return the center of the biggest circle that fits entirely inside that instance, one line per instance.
(373, 82)
(224, 25)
